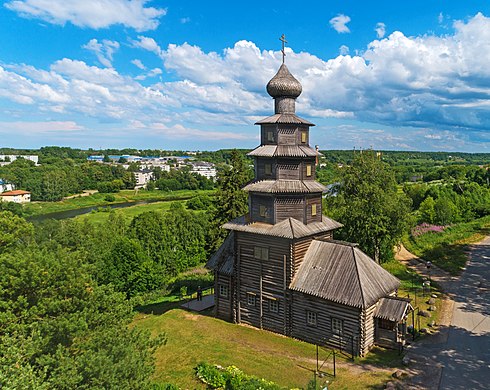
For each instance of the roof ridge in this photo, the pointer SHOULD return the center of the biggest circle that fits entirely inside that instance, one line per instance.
(358, 276)
(291, 225)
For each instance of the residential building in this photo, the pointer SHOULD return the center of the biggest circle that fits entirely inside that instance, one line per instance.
(16, 196)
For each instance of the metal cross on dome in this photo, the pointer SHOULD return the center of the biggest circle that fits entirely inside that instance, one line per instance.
(283, 40)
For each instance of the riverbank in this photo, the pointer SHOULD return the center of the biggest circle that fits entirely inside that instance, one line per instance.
(36, 209)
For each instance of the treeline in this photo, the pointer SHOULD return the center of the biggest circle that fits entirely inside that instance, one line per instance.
(179, 179)
(59, 177)
(138, 257)
(448, 203)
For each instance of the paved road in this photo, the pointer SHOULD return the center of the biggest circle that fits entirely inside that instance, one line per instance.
(465, 356)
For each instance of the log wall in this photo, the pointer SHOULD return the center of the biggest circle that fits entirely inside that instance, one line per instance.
(322, 333)
(289, 206)
(223, 305)
(266, 278)
(268, 202)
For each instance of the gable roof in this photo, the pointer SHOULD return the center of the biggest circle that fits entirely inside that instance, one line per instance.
(342, 273)
(289, 228)
(392, 308)
(14, 193)
(223, 259)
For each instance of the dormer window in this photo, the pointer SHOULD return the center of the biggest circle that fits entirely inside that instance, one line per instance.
(268, 169)
(303, 137)
(308, 170)
(313, 210)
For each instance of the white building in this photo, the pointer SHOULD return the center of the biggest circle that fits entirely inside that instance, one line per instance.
(16, 196)
(6, 159)
(4, 186)
(205, 169)
(142, 177)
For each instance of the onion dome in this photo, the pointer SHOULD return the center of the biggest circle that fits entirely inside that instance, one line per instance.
(283, 84)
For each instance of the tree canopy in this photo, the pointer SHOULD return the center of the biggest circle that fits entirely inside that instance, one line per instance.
(367, 202)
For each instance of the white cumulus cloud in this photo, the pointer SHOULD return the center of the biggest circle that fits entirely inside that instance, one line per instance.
(339, 23)
(94, 14)
(104, 51)
(380, 29)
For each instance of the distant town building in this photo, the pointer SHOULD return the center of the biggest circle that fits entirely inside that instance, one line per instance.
(205, 169)
(6, 159)
(5, 186)
(16, 196)
(143, 176)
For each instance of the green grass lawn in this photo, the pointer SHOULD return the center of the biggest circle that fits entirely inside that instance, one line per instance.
(448, 250)
(411, 284)
(128, 213)
(195, 338)
(40, 208)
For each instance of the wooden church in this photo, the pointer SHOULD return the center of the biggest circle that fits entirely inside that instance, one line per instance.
(279, 269)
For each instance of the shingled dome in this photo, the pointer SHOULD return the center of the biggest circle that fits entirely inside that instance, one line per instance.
(283, 84)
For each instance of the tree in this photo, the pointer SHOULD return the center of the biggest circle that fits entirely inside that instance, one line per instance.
(374, 214)
(14, 230)
(231, 200)
(60, 330)
(426, 210)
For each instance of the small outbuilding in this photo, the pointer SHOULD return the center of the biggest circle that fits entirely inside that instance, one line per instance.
(16, 196)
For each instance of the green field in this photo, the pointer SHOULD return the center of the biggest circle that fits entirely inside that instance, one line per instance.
(97, 199)
(101, 215)
(195, 338)
(448, 250)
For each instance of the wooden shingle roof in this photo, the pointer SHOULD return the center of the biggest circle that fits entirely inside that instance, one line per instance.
(284, 151)
(223, 259)
(289, 228)
(285, 186)
(288, 118)
(392, 309)
(342, 273)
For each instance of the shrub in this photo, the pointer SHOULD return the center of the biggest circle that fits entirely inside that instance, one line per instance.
(109, 198)
(231, 378)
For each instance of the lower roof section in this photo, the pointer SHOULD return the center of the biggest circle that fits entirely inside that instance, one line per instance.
(289, 228)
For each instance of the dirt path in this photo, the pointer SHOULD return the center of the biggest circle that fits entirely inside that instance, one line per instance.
(84, 193)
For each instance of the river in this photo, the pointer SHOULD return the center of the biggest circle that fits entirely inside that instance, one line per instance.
(85, 210)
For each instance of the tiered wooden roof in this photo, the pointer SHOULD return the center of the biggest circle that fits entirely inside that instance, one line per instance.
(342, 273)
(283, 151)
(285, 186)
(289, 228)
(284, 118)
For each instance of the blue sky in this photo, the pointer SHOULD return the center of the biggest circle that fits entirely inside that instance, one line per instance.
(192, 75)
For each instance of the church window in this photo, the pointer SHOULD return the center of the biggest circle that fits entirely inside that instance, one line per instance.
(270, 136)
(313, 210)
(311, 318)
(268, 169)
(223, 291)
(337, 326)
(251, 299)
(303, 137)
(261, 253)
(273, 306)
(308, 170)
